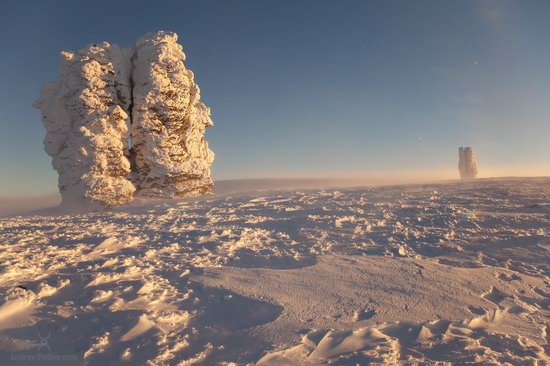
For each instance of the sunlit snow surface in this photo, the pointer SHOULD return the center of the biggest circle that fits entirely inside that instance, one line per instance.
(456, 272)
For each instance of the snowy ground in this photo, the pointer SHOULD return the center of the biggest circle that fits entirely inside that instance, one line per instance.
(451, 273)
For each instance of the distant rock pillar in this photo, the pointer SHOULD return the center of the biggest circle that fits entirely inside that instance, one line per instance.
(467, 165)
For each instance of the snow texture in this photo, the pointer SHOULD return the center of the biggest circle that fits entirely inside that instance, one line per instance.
(93, 110)
(172, 157)
(467, 165)
(431, 274)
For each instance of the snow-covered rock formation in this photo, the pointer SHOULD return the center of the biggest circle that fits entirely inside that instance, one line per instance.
(107, 98)
(467, 165)
(172, 157)
(86, 116)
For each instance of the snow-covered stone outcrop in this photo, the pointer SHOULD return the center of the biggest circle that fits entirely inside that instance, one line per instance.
(171, 155)
(467, 165)
(86, 116)
(119, 119)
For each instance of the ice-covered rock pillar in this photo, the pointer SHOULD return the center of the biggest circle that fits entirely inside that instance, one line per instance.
(467, 165)
(86, 116)
(171, 154)
(120, 118)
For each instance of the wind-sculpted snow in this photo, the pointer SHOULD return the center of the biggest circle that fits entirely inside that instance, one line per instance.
(86, 116)
(169, 121)
(451, 273)
(107, 98)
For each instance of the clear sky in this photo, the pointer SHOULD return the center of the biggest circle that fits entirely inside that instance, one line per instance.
(311, 88)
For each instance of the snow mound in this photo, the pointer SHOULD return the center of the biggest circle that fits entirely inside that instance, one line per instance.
(435, 342)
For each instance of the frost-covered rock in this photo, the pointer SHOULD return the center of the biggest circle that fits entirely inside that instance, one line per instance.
(171, 155)
(86, 116)
(467, 165)
(106, 96)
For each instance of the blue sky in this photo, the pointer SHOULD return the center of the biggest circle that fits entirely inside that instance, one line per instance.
(311, 88)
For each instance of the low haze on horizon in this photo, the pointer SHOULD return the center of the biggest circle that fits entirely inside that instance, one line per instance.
(312, 89)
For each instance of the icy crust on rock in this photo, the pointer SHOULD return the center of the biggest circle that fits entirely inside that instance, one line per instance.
(106, 95)
(85, 113)
(467, 165)
(171, 155)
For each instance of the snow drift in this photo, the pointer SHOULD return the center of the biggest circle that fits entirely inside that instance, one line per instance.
(125, 120)
(428, 274)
